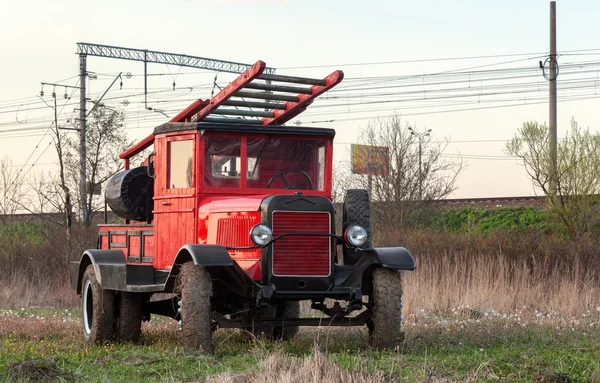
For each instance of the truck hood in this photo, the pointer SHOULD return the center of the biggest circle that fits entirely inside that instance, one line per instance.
(225, 204)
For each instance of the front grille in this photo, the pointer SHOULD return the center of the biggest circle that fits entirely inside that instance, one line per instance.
(301, 255)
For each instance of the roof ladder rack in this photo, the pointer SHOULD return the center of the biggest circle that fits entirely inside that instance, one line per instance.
(275, 105)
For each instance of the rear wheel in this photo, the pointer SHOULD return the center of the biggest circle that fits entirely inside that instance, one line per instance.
(196, 289)
(131, 313)
(356, 211)
(97, 309)
(385, 324)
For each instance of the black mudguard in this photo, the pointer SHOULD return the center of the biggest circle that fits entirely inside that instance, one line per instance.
(217, 261)
(397, 258)
(204, 255)
(101, 260)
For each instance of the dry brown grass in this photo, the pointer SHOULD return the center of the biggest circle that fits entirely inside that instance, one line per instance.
(490, 282)
(277, 366)
(34, 269)
(500, 272)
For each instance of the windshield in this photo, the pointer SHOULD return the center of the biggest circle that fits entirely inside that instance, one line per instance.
(270, 163)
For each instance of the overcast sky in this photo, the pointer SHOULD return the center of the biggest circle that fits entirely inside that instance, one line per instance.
(312, 38)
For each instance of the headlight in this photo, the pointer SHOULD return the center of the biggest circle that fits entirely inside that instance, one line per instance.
(261, 234)
(355, 235)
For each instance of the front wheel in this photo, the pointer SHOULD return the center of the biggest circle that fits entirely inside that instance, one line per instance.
(196, 289)
(385, 324)
(287, 310)
(97, 309)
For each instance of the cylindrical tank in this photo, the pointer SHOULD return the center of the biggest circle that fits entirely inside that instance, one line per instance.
(129, 194)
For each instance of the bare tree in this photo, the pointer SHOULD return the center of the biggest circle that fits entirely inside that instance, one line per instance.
(574, 202)
(11, 188)
(106, 138)
(48, 200)
(404, 183)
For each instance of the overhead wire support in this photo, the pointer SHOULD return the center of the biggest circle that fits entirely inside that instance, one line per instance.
(104, 94)
(157, 57)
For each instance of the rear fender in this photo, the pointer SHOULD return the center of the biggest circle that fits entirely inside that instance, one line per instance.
(102, 260)
(219, 264)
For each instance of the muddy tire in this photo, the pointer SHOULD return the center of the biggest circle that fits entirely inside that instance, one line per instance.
(385, 325)
(287, 310)
(356, 211)
(195, 289)
(283, 309)
(131, 313)
(97, 309)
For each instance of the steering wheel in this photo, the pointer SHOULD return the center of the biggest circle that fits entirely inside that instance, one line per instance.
(289, 186)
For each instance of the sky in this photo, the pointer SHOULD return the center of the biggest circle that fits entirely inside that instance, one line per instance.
(468, 69)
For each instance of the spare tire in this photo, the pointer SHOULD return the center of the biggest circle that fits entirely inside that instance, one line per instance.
(356, 211)
(129, 194)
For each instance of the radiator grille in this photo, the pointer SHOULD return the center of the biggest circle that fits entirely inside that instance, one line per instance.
(235, 231)
(301, 255)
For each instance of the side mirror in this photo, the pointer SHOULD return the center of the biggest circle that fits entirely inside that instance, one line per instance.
(151, 168)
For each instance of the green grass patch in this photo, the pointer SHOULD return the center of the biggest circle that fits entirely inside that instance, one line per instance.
(22, 231)
(482, 221)
(454, 349)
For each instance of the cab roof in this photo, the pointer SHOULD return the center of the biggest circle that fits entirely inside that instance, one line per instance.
(171, 127)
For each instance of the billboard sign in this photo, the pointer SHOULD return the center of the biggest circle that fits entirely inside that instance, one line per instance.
(370, 160)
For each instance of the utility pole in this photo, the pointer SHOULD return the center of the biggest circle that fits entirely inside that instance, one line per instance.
(62, 172)
(82, 129)
(553, 102)
(420, 137)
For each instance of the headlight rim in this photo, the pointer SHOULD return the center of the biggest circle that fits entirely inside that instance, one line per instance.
(347, 238)
(253, 234)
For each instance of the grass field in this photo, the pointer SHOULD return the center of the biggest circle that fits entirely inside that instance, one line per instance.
(466, 345)
(494, 308)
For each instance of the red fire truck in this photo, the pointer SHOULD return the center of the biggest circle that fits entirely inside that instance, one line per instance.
(232, 217)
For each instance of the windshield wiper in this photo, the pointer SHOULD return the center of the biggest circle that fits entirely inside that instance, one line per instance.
(260, 152)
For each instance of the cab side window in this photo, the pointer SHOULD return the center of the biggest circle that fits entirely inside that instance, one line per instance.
(222, 161)
(180, 165)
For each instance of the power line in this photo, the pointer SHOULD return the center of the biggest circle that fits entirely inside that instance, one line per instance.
(34, 149)
(456, 58)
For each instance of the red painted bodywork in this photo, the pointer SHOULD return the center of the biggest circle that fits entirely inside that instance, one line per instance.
(209, 214)
(136, 241)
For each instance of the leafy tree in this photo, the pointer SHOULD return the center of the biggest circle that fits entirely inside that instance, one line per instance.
(574, 200)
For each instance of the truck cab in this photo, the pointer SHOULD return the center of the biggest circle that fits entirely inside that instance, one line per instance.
(233, 217)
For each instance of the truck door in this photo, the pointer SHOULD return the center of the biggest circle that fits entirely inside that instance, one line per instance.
(175, 200)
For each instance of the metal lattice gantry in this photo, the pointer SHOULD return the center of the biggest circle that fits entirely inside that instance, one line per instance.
(149, 56)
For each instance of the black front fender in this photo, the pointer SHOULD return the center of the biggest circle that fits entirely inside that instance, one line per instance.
(397, 258)
(219, 264)
(204, 255)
